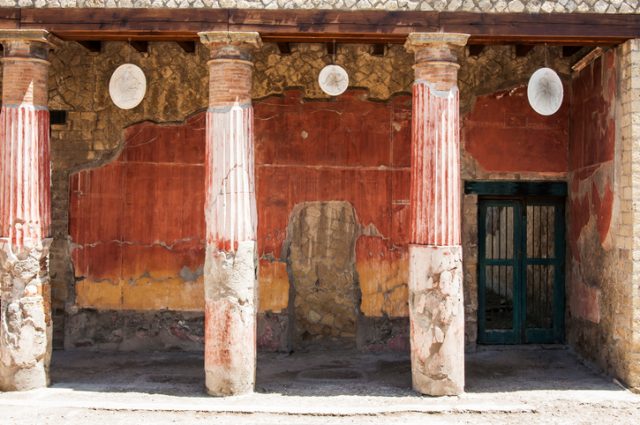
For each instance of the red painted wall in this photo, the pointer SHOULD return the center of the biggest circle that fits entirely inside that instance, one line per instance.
(504, 134)
(591, 179)
(138, 222)
(592, 145)
(348, 149)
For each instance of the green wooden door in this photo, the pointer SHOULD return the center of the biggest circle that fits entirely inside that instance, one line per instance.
(520, 270)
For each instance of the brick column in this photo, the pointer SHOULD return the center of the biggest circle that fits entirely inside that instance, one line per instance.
(25, 213)
(435, 254)
(230, 275)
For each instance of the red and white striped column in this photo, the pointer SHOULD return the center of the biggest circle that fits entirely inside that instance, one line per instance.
(25, 211)
(230, 275)
(435, 265)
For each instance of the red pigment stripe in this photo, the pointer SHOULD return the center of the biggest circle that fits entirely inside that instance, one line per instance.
(435, 168)
(25, 181)
(230, 193)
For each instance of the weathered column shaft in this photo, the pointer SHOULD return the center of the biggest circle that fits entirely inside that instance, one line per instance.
(231, 217)
(25, 211)
(435, 255)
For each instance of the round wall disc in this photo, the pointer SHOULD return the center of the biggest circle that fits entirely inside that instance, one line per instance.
(333, 80)
(545, 91)
(127, 86)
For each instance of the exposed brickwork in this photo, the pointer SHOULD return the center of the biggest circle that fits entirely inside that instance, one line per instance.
(495, 6)
(27, 83)
(230, 82)
(628, 190)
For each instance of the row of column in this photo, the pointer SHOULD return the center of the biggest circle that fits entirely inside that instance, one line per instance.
(435, 269)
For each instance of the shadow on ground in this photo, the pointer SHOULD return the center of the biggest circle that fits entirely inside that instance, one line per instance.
(324, 372)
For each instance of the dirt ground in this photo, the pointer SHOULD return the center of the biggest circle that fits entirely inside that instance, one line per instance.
(518, 385)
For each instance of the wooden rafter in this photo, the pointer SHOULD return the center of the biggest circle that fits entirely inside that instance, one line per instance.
(523, 49)
(94, 46)
(284, 47)
(187, 46)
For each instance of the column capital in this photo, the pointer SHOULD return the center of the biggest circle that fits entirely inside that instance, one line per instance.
(417, 40)
(27, 43)
(436, 57)
(234, 38)
(231, 44)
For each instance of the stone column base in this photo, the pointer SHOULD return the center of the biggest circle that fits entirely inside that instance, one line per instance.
(230, 320)
(437, 319)
(25, 329)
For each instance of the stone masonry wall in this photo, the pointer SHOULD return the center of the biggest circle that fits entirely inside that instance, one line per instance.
(493, 6)
(630, 188)
(93, 134)
(619, 352)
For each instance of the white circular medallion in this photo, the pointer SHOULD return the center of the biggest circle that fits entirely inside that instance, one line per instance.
(545, 91)
(127, 86)
(333, 80)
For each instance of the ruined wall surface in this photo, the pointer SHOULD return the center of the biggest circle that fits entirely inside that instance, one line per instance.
(94, 133)
(494, 6)
(602, 291)
(595, 264)
(94, 136)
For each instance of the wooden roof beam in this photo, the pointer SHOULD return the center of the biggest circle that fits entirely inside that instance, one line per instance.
(321, 26)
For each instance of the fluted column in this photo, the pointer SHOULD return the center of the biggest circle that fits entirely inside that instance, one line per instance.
(25, 212)
(435, 254)
(230, 275)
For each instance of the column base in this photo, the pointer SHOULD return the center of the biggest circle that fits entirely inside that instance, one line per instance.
(24, 379)
(25, 329)
(437, 319)
(230, 320)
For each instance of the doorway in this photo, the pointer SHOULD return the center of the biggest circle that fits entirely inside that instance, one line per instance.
(521, 252)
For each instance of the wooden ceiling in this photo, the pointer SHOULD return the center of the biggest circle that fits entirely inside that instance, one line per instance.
(281, 26)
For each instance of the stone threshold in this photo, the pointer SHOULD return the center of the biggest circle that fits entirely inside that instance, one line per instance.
(254, 403)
